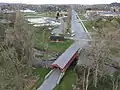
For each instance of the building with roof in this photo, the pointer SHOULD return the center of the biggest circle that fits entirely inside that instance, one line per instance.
(64, 61)
(96, 14)
(110, 14)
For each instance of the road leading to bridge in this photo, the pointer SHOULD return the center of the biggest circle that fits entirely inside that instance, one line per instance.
(51, 82)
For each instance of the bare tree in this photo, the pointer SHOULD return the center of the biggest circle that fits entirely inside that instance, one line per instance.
(16, 56)
(97, 61)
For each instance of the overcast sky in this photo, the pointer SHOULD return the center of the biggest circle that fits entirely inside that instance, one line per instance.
(61, 1)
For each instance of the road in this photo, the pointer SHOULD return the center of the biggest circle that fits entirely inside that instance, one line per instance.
(77, 27)
(51, 81)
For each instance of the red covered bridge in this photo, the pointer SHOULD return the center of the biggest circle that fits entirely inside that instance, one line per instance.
(64, 61)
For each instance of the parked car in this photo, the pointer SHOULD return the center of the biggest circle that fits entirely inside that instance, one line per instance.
(52, 33)
(73, 34)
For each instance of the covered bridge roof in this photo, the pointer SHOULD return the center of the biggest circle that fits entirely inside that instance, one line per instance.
(63, 60)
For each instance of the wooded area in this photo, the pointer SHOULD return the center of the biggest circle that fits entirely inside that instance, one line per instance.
(16, 55)
(98, 67)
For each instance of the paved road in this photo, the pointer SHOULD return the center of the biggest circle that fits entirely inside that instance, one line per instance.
(51, 81)
(77, 27)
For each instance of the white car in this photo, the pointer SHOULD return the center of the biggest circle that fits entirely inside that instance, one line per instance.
(72, 31)
(52, 33)
(49, 28)
(68, 33)
(73, 34)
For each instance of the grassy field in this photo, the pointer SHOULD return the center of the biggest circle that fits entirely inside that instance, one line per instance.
(42, 41)
(68, 80)
(48, 14)
(82, 17)
(88, 25)
(42, 35)
(40, 73)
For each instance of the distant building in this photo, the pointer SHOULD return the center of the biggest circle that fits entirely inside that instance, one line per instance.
(96, 11)
(110, 14)
(93, 14)
(96, 14)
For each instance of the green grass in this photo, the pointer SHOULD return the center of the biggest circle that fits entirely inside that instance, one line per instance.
(82, 17)
(60, 46)
(88, 25)
(68, 80)
(41, 41)
(40, 72)
(48, 14)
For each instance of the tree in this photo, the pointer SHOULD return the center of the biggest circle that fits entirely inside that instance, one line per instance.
(96, 67)
(16, 56)
(2, 32)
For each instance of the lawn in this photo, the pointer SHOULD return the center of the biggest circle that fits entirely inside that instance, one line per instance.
(42, 41)
(48, 14)
(68, 80)
(82, 17)
(40, 73)
(88, 25)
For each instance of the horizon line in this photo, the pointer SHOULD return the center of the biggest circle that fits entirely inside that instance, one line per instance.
(54, 3)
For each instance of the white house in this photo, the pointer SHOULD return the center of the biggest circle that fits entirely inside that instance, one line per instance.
(28, 11)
